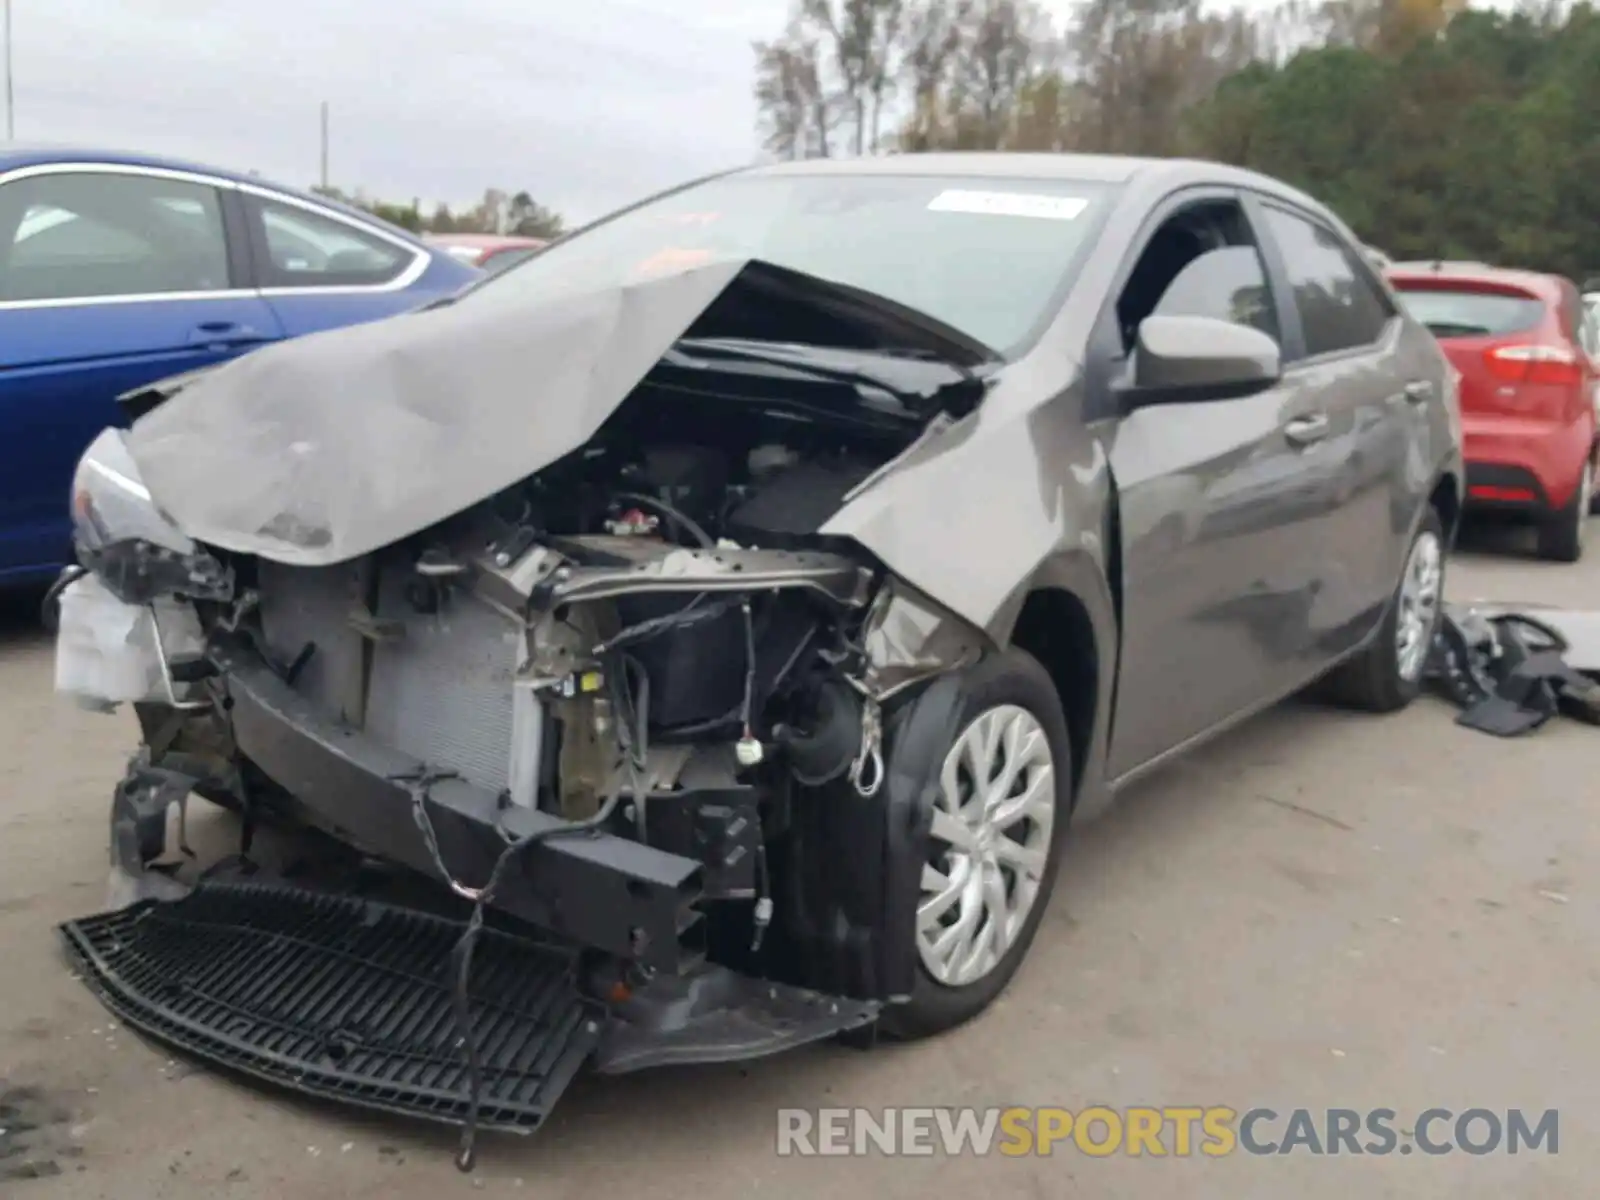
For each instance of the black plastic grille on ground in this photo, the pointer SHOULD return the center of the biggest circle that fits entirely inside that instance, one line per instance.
(342, 998)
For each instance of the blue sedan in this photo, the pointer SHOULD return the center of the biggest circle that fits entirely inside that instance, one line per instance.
(117, 270)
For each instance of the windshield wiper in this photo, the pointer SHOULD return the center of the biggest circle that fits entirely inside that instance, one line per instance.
(922, 382)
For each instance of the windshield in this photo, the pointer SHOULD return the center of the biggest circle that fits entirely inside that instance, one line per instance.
(986, 256)
(1465, 312)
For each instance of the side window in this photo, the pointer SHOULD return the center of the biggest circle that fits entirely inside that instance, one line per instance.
(1340, 307)
(1201, 262)
(92, 234)
(309, 249)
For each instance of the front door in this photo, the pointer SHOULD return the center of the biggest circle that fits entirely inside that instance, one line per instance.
(109, 280)
(1219, 543)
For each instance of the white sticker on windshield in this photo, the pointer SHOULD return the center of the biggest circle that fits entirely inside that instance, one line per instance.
(1010, 204)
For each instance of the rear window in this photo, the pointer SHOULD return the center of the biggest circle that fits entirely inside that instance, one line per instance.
(1461, 312)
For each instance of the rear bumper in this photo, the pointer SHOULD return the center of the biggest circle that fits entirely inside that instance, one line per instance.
(1495, 487)
(1517, 463)
(599, 890)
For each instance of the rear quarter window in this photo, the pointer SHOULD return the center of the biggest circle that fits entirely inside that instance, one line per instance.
(1466, 312)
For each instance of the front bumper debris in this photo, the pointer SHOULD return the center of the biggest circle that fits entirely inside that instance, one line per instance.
(606, 892)
(343, 998)
(348, 999)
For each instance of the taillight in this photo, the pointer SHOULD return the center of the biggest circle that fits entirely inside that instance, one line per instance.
(1534, 363)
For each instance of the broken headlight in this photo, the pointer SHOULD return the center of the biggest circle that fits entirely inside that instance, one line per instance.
(126, 540)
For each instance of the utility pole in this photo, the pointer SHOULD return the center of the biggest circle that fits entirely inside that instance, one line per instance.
(324, 132)
(11, 121)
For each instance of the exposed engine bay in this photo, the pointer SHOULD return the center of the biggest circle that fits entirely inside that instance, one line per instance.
(709, 468)
(675, 603)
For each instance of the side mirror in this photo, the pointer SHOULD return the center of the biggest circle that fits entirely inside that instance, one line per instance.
(1179, 360)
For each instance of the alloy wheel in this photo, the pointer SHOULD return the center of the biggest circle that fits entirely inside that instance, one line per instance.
(1420, 593)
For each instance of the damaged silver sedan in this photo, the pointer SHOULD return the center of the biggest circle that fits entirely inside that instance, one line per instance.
(734, 605)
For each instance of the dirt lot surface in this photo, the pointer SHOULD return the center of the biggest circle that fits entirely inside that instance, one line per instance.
(1318, 910)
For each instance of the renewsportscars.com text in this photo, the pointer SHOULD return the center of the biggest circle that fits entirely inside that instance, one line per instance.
(1176, 1131)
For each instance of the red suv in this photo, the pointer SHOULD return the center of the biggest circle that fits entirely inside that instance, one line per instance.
(1527, 389)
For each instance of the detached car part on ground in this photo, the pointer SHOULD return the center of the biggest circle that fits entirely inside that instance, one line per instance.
(736, 643)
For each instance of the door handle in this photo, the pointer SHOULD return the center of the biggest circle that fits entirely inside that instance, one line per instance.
(217, 333)
(1418, 391)
(1306, 431)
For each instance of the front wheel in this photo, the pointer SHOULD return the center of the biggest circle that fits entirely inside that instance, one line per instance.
(1387, 675)
(995, 843)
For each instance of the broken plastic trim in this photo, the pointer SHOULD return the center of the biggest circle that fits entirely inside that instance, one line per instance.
(717, 1016)
(136, 572)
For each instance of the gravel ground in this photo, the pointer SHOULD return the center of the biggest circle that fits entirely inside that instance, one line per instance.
(1317, 910)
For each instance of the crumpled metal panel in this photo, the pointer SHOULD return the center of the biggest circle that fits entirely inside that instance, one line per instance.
(321, 449)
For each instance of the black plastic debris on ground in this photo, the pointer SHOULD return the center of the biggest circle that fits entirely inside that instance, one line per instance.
(1507, 670)
(342, 998)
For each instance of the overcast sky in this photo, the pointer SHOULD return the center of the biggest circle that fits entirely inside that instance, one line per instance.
(587, 104)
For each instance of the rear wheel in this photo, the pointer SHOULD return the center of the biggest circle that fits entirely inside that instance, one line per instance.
(1561, 534)
(998, 827)
(1387, 675)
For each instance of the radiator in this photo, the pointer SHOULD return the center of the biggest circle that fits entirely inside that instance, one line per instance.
(441, 693)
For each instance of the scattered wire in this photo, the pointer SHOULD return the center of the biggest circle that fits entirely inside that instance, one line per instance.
(642, 631)
(419, 784)
(749, 667)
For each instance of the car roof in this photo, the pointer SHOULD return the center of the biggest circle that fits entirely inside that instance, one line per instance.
(484, 241)
(1157, 173)
(1548, 287)
(15, 155)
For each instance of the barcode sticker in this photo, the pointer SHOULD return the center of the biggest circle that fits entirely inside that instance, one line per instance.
(1010, 204)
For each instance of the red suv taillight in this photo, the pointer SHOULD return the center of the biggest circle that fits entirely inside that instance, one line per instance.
(1534, 363)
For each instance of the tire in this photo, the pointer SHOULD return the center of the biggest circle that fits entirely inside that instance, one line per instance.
(1013, 692)
(1561, 533)
(1377, 680)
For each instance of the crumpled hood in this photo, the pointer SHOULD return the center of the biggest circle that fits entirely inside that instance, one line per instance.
(327, 447)
(321, 449)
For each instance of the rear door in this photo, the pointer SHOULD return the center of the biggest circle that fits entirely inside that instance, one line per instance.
(110, 278)
(321, 269)
(1373, 389)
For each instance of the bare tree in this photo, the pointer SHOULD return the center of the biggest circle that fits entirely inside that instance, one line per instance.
(793, 108)
(1009, 42)
(862, 36)
(931, 38)
(888, 18)
(1141, 65)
